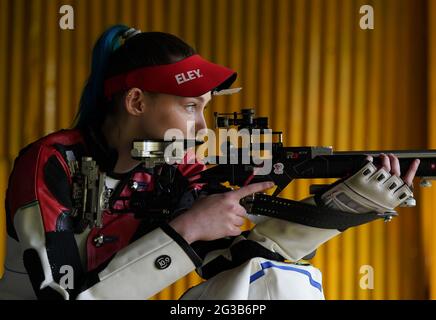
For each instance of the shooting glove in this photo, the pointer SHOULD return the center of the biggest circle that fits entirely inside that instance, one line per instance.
(369, 190)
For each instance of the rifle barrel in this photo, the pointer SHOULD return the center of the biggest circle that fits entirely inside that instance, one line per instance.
(416, 154)
(343, 164)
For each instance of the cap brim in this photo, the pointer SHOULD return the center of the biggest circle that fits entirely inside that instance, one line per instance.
(190, 77)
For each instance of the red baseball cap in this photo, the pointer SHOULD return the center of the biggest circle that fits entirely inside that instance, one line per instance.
(190, 77)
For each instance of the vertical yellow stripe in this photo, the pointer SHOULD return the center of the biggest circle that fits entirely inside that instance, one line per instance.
(205, 18)
(391, 54)
(413, 58)
(297, 72)
(345, 84)
(298, 86)
(312, 112)
(283, 28)
(427, 226)
(332, 271)
(127, 12)
(432, 248)
(32, 130)
(265, 76)
(173, 17)
(191, 22)
(326, 257)
(50, 81)
(343, 130)
(221, 44)
(4, 159)
(235, 40)
(405, 285)
(83, 52)
(360, 119)
(110, 13)
(280, 108)
(4, 77)
(251, 61)
(158, 15)
(16, 72)
(428, 195)
(314, 72)
(329, 65)
(295, 125)
(375, 104)
(142, 22)
(65, 101)
(249, 64)
(95, 19)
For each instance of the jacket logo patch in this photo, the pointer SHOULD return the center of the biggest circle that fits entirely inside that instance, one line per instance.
(162, 262)
(278, 168)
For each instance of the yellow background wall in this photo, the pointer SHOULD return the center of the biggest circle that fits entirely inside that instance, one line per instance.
(304, 63)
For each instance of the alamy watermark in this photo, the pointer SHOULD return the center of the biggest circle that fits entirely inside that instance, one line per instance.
(66, 21)
(230, 147)
(66, 281)
(367, 19)
(366, 281)
(367, 277)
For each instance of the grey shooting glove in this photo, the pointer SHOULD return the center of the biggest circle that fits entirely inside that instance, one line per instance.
(369, 190)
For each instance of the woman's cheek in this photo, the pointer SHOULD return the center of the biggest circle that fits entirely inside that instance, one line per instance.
(172, 123)
(191, 130)
(186, 123)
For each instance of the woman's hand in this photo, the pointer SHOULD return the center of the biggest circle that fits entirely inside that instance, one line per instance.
(216, 216)
(392, 165)
(373, 189)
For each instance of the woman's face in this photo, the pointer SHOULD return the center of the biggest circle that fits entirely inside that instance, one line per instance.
(163, 112)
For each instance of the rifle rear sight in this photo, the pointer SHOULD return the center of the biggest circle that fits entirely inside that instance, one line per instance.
(245, 120)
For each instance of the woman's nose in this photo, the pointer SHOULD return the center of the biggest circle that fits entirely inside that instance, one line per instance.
(200, 124)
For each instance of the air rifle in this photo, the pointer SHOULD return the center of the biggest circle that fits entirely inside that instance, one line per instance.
(288, 164)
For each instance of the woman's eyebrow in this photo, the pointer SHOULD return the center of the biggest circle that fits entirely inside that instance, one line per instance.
(204, 99)
(200, 99)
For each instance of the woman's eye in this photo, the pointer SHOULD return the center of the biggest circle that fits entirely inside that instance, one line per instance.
(190, 108)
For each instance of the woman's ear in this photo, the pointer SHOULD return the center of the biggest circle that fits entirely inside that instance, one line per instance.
(134, 102)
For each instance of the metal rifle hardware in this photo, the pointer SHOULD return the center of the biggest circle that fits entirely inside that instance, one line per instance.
(309, 162)
(157, 152)
(94, 197)
(90, 195)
